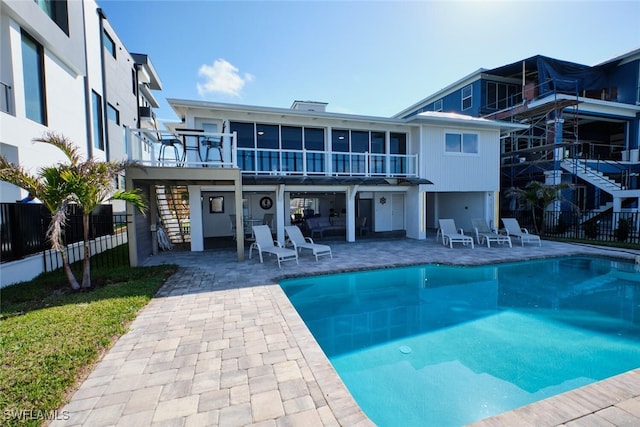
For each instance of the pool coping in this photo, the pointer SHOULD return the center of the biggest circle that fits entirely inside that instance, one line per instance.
(221, 344)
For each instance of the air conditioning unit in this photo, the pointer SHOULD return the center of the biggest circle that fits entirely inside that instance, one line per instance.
(145, 112)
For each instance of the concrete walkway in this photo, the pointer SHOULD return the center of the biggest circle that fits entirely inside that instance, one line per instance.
(220, 344)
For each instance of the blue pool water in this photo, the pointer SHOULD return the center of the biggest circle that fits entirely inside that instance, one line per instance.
(444, 346)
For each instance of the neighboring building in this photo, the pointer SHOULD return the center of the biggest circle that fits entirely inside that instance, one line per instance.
(64, 69)
(584, 125)
(303, 162)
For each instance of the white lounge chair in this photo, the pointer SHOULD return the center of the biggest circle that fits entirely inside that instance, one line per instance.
(513, 228)
(451, 235)
(265, 243)
(486, 234)
(300, 242)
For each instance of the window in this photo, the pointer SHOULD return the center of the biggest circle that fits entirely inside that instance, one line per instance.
(340, 140)
(398, 143)
(502, 95)
(267, 136)
(109, 44)
(134, 81)
(314, 139)
(291, 138)
(245, 134)
(113, 114)
(437, 106)
(377, 142)
(57, 11)
(359, 141)
(461, 143)
(467, 96)
(33, 75)
(96, 121)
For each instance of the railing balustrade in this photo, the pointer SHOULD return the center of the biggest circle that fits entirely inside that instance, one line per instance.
(6, 98)
(620, 227)
(144, 145)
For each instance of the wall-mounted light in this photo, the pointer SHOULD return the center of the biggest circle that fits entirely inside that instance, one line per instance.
(260, 133)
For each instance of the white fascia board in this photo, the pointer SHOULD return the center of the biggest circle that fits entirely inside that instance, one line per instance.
(184, 107)
(148, 95)
(624, 57)
(457, 85)
(450, 119)
(591, 105)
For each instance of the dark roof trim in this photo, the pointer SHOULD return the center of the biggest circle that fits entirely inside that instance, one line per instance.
(328, 180)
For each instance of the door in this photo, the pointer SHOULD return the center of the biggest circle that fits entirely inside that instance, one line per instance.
(365, 208)
(397, 212)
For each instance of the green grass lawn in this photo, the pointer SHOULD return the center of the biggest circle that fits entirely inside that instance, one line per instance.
(51, 336)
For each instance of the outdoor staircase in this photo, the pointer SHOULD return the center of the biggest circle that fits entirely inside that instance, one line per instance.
(173, 211)
(595, 212)
(592, 176)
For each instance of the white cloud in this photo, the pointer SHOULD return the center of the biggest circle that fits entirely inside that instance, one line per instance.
(222, 77)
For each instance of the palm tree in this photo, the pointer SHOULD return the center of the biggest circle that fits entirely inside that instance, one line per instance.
(91, 183)
(538, 196)
(49, 186)
(86, 183)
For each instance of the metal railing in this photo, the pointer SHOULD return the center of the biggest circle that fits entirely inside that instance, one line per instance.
(23, 228)
(6, 98)
(619, 227)
(194, 148)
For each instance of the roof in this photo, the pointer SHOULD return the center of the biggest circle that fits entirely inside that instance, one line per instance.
(451, 118)
(329, 180)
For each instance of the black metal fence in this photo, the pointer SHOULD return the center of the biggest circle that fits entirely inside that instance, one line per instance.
(618, 227)
(23, 228)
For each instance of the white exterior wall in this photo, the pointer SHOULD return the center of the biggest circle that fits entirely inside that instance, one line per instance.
(462, 207)
(64, 90)
(460, 172)
(120, 94)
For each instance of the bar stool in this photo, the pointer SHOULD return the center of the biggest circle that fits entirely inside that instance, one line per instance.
(211, 142)
(169, 142)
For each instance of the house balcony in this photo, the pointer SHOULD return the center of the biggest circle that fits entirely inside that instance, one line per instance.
(198, 149)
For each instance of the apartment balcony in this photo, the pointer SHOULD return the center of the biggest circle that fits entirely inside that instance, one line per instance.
(198, 149)
(6, 98)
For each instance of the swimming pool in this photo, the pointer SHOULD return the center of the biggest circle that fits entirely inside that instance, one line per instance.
(444, 345)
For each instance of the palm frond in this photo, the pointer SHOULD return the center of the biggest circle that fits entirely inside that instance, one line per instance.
(63, 144)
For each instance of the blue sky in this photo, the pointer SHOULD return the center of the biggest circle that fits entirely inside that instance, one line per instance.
(362, 57)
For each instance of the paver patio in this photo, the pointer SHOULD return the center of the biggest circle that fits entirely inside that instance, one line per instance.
(220, 344)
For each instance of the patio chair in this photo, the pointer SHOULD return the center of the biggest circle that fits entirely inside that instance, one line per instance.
(451, 235)
(300, 242)
(513, 228)
(265, 243)
(486, 234)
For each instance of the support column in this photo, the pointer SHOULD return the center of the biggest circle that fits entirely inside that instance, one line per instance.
(280, 213)
(351, 210)
(195, 216)
(237, 192)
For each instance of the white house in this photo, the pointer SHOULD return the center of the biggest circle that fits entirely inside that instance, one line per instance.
(303, 162)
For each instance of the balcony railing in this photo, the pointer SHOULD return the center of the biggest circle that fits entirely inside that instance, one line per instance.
(6, 98)
(193, 148)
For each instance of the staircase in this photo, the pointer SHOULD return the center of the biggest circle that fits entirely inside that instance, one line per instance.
(173, 211)
(592, 176)
(595, 212)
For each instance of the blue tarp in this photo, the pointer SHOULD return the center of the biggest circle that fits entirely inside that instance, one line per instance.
(568, 77)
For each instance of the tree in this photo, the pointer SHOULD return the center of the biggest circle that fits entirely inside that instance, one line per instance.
(87, 183)
(538, 197)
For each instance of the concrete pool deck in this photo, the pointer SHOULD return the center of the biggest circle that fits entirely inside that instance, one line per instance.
(220, 344)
